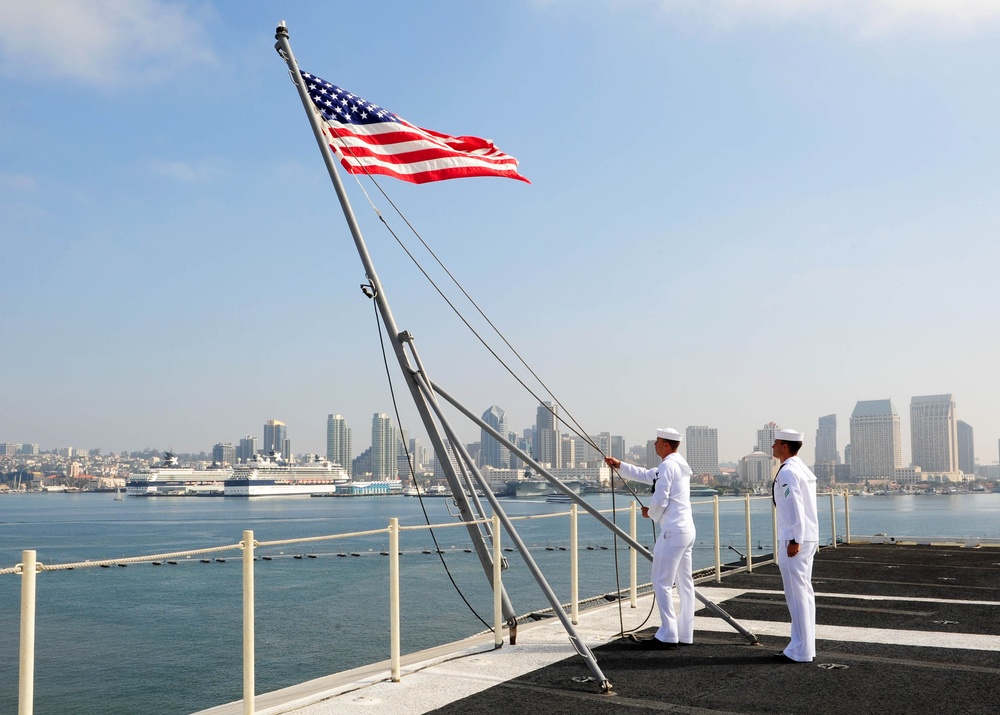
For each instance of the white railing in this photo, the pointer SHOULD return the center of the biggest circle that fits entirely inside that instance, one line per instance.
(29, 568)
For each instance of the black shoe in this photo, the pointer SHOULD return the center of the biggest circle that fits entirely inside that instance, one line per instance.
(782, 658)
(656, 644)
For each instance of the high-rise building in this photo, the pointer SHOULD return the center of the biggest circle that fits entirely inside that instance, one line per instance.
(757, 469)
(875, 442)
(765, 438)
(224, 453)
(701, 446)
(247, 449)
(617, 446)
(338, 441)
(827, 456)
(934, 433)
(547, 444)
(491, 452)
(384, 465)
(275, 434)
(652, 458)
(966, 448)
(439, 472)
(567, 451)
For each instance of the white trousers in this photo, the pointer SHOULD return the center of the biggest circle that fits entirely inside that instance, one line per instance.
(672, 564)
(796, 577)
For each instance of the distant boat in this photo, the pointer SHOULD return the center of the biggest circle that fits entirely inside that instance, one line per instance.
(558, 498)
(703, 492)
(118, 494)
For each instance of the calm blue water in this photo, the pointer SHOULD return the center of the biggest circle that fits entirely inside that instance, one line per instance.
(167, 639)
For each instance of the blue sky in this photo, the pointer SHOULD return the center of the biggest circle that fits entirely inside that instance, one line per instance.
(739, 212)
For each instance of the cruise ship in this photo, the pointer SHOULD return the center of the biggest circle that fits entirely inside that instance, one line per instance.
(171, 479)
(271, 476)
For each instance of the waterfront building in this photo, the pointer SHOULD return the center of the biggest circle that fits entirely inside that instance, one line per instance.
(876, 452)
(652, 458)
(617, 446)
(757, 469)
(966, 448)
(701, 447)
(338, 441)
(547, 441)
(934, 433)
(826, 456)
(247, 449)
(275, 434)
(406, 462)
(439, 472)
(568, 451)
(492, 453)
(765, 438)
(223, 454)
(383, 455)
(362, 464)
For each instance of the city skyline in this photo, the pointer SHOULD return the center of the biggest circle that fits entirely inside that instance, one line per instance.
(790, 187)
(873, 425)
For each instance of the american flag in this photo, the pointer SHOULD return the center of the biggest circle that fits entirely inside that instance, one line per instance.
(372, 140)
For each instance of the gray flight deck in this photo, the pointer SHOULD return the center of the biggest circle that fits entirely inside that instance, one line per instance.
(901, 629)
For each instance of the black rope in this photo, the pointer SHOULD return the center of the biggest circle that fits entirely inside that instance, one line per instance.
(413, 476)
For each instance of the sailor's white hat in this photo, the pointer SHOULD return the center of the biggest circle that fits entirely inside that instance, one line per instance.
(669, 433)
(788, 435)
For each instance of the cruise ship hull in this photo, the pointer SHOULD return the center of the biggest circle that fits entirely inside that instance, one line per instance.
(277, 487)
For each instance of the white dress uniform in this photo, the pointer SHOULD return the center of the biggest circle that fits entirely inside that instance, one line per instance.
(794, 494)
(670, 506)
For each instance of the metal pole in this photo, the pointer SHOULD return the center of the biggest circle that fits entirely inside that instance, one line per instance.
(526, 458)
(574, 567)
(633, 579)
(847, 520)
(394, 598)
(718, 546)
(497, 586)
(397, 338)
(26, 682)
(249, 686)
(833, 520)
(749, 537)
(581, 648)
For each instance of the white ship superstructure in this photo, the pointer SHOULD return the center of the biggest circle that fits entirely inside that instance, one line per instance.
(271, 476)
(171, 479)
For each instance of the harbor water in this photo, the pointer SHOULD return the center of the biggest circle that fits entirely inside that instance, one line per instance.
(167, 639)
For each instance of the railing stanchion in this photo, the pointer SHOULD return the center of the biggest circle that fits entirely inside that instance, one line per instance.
(26, 684)
(718, 552)
(249, 686)
(574, 568)
(833, 519)
(847, 519)
(633, 579)
(749, 537)
(394, 598)
(497, 590)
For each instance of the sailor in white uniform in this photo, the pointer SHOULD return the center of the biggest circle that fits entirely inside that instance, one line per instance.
(670, 506)
(794, 494)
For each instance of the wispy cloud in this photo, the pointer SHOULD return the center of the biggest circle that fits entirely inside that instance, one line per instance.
(867, 19)
(186, 172)
(99, 42)
(21, 182)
